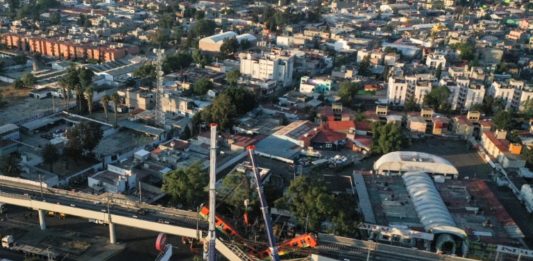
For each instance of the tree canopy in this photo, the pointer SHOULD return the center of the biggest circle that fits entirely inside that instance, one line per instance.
(235, 188)
(347, 91)
(204, 27)
(186, 186)
(83, 138)
(10, 165)
(502, 120)
(224, 108)
(387, 138)
(364, 66)
(201, 86)
(311, 204)
(437, 99)
(229, 47)
(50, 155)
(176, 62)
(232, 77)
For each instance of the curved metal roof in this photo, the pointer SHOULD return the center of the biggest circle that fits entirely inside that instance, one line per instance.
(408, 161)
(430, 208)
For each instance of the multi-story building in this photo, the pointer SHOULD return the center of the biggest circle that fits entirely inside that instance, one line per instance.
(435, 60)
(465, 93)
(516, 94)
(315, 85)
(214, 42)
(416, 87)
(61, 47)
(277, 66)
(397, 91)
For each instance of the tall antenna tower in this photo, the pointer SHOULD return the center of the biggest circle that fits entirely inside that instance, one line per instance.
(158, 109)
(211, 252)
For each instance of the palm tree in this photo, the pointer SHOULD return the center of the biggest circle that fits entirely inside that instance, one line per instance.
(116, 99)
(105, 101)
(65, 91)
(89, 93)
(79, 96)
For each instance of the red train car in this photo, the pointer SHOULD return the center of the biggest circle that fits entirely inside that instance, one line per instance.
(220, 224)
(308, 240)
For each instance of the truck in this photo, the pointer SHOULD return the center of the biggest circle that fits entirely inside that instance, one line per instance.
(7, 241)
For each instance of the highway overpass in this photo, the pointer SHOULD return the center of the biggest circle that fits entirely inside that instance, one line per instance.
(180, 223)
(115, 211)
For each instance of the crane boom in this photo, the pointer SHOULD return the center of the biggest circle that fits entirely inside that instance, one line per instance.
(264, 207)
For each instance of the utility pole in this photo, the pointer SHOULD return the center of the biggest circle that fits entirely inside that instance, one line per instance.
(140, 193)
(41, 185)
(211, 254)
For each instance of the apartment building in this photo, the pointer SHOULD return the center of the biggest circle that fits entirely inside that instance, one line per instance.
(64, 48)
(464, 93)
(435, 60)
(397, 91)
(416, 87)
(515, 93)
(277, 66)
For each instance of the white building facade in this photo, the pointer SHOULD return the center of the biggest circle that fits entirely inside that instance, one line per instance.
(277, 67)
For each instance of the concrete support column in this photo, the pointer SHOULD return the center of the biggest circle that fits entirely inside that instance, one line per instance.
(42, 222)
(112, 238)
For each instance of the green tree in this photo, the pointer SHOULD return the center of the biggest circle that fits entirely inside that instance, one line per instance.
(19, 84)
(245, 99)
(387, 138)
(55, 18)
(347, 91)
(176, 62)
(364, 66)
(438, 72)
(200, 87)
(160, 37)
(186, 185)
(28, 80)
(200, 59)
(410, 105)
(83, 138)
(235, 189)
(437, 99)
(229, 47)
(89, 94)
(105, 102)
(232, 77)
(10, 165)
(223, 110)
(204, 27)
(466, 50)
(502, 120)
(116, 101)
(145, 71)
(50, 155)
(309, 201)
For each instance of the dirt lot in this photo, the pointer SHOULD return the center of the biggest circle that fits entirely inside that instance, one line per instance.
(19, 106)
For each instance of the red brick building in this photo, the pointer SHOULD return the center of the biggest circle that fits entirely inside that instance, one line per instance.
(66, 49)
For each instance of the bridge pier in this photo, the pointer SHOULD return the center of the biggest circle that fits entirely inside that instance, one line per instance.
(42, 222)
(112, 238)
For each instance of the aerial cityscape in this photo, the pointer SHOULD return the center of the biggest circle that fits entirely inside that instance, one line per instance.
(315, 130)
